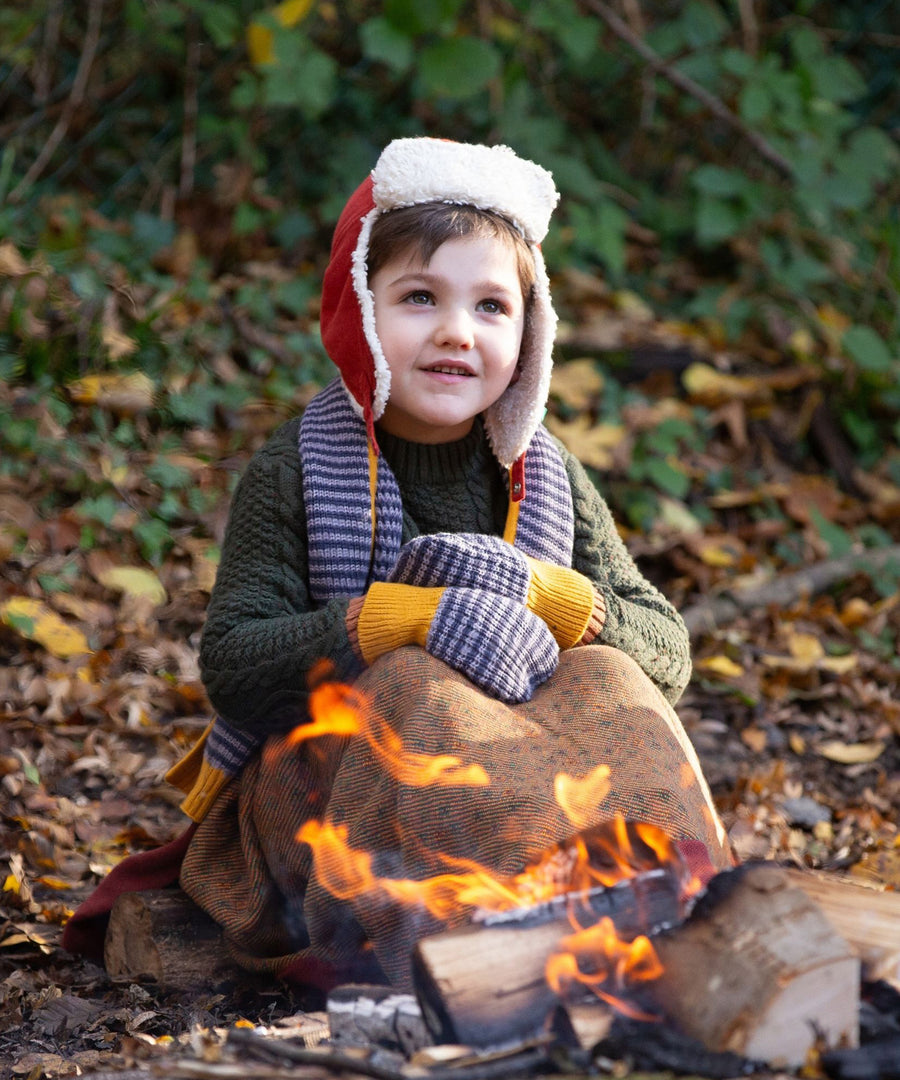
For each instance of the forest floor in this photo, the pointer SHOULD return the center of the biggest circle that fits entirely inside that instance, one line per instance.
(793, 707)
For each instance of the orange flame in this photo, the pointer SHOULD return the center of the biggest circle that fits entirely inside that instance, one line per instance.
(615, 964)
(579, 799)
(598, 855)
(336, 709)
(347, 873)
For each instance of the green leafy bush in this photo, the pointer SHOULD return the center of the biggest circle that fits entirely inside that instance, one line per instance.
(743, 176)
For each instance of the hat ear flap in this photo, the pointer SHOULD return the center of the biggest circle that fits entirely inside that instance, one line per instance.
(512, 420)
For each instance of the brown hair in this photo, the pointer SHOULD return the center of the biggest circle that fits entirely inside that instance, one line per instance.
(422, 229)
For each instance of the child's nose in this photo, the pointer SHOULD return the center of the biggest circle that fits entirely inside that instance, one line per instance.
(455, 328)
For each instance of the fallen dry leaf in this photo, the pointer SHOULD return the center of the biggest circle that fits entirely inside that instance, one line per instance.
(851, 753)
(126, 393)
(37, 622)
(720, 665)
(590, 443)
(577, 383)
(710, 387)
(135, 581)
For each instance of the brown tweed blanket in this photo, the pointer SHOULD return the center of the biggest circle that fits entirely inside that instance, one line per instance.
(499, 807)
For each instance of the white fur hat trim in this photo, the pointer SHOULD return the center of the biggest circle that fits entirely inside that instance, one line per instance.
(418, 170)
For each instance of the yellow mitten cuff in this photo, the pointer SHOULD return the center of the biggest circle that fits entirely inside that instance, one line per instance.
(394, 615)
(563, 598)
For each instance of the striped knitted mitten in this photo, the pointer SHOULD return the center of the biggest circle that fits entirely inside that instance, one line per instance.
(563, 598)
(497, 643)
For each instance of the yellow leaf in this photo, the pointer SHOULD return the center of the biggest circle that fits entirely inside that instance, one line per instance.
(839, 665)
(577, 383)
(134, 581)
(711, 387)
(260, 42)
(12, 884)
(720, 551)
(591, 443)
(55, 883)
(797, 742)
(806, 648)
(11, 262)
(802, 343)
(35, 621)
(129, 393)
(851, 753)
(117, 343)
(115, 474)
(725, 500)
(720, 665)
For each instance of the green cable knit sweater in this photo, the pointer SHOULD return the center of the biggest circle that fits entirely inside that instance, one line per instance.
(262, 634)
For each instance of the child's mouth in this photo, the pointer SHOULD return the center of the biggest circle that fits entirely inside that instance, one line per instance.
(448, 369)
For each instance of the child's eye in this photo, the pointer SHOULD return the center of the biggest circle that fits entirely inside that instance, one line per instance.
(492, 307)
(420, 296)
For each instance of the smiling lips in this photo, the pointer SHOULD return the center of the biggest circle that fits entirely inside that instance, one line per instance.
(449, 369)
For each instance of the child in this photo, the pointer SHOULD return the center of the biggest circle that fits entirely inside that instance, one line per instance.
(420, 531)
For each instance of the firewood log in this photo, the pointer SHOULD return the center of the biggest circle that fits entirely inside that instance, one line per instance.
(484, 984)
(867, 917)
(757, 969)
(161, 934)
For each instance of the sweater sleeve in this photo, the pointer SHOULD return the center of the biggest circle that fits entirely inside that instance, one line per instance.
(639, 619)
(262, 634)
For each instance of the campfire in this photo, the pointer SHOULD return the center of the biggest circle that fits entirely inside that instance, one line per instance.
(605, 926)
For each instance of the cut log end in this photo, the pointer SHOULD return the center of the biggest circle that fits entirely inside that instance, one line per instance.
(162, 936)
(757, 969)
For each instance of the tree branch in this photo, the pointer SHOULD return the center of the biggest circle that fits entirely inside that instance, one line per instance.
(85, 62)
(685, 83)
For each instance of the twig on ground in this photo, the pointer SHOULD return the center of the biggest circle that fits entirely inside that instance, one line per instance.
(516, 1065)
(685, 83)
(709, 614)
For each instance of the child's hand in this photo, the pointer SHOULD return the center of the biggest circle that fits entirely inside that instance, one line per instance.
(497, 643)
(564, 599)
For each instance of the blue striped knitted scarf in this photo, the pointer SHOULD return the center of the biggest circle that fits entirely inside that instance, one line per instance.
(346, 554)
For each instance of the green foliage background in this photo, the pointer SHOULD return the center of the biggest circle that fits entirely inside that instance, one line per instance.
(762, 209)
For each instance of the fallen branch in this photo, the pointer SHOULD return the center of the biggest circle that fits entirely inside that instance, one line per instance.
(514, 1065)
(685, 83)
(709, 614)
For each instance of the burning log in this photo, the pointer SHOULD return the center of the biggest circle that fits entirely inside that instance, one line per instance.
(757, 969)
(485, 984)
(161, 934)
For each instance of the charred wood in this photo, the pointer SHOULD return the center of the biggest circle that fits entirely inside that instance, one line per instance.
(661, 1047)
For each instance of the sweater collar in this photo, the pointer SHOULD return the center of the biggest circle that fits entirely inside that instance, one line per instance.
(424, 463)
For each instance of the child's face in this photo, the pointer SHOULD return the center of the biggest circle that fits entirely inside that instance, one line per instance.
(451, 333)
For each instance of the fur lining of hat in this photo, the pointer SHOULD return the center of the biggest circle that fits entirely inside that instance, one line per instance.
(419, 170)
